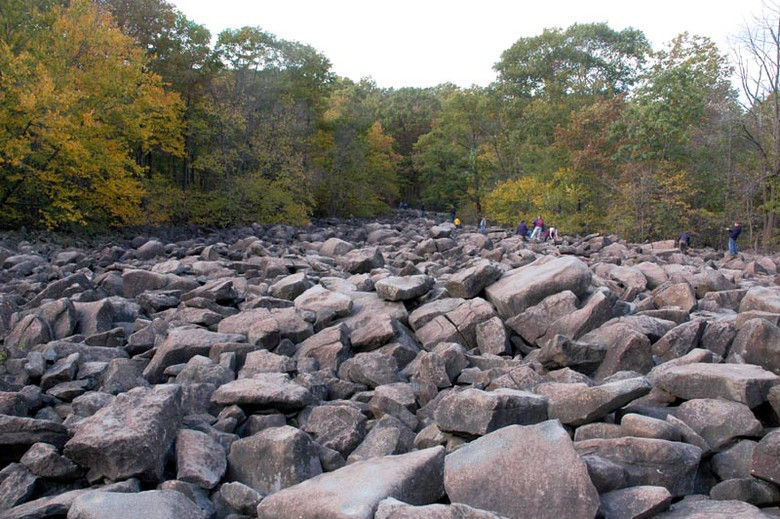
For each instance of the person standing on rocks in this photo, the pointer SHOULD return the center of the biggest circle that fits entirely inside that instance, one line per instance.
(538, 228)
(734, 233)
(452, 214)
(483, 225)
(684, 242)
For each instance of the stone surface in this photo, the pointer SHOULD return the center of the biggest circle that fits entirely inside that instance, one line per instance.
(273, 459)
(475, 412)
(356, 490)
(526, 286)
(744, 383)
(522, 471)
(152, 504)
(645, 461)
(142, 422)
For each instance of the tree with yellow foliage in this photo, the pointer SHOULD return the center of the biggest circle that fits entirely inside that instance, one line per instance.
(75, 103)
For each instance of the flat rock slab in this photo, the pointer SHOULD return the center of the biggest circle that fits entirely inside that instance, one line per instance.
(577, 404)
(265, 391)
(527, 286)
(355, 491)
(635, 502)
(129, 437)
(647, 461)
(745, 383)
(718, 421)
(153, 504)
(477, 412)
(702, 508)
(181, 345)
(17, 433)
(522, 471)
(403, 288)
(394, 509)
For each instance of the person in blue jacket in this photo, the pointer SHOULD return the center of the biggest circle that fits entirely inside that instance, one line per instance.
(734, 233)
(522, 230)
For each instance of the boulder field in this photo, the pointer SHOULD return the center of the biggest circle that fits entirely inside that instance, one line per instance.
(388, 369)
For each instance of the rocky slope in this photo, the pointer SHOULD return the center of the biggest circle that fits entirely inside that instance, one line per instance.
(395, 369)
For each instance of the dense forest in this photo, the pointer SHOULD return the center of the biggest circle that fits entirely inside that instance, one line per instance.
(125, 112)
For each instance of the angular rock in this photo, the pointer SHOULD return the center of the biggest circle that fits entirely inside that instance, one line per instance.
(470, 281)
(757, 342)
(577, 404)
(712, 509)
(355, 491)
(527, 286)
(337, 427)
(264, 391)
(181, 345)
(492, 337)
(273, 459)
(679, 340)
(329, 347)
(718, 421)
(393, 509)
(141, 421)
(646, 461)
(43, 460)
(534, 321)
(680, 295)
(749, 490)
(152, 504)
(504, 471)
(744, 383)
(362, 260)
(200, 459)
(387, 436)
(291, 286)
(764, 462)
(476, 412)
(635, 502)
(403, 288)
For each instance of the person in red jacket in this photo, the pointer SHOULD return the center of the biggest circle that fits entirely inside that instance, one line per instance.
(538, 228)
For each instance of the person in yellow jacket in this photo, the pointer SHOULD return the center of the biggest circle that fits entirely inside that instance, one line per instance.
(457, 223)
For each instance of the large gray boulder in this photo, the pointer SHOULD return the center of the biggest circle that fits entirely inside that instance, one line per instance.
(476, 412)
(702, 508)
(181, 345)
(757, 342)
(527, 286)
(718, 421)
(355, 491)
(577, 404)
(264, 391)
(273, 459)
(644, 461)
(765, 455)
(403, 288)
(522, 471)
(744, 383)
(200, 459)
(152, 504)
(470, 281)
(634, 502)
(394, 509)
(130, 437)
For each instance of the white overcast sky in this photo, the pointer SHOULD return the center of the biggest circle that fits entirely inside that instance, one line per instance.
(421, 43)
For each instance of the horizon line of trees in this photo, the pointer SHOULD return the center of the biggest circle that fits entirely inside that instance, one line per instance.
(123, 112)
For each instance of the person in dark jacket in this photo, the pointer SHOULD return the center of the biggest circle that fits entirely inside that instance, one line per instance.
(684, 242)
(734, 233)
(522, 230)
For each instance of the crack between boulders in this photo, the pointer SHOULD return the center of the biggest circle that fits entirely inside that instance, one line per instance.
(465, 343)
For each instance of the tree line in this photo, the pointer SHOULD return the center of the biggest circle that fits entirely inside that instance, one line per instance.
(125, 112)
